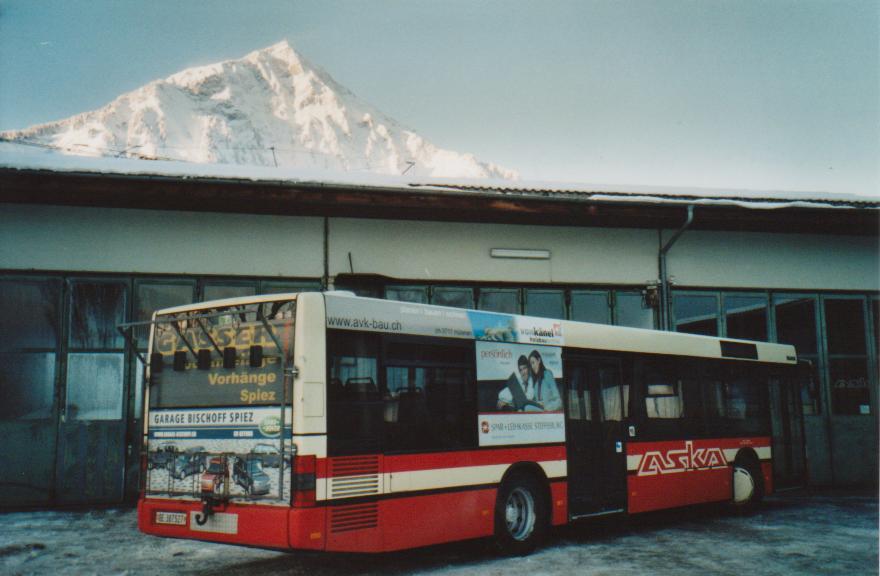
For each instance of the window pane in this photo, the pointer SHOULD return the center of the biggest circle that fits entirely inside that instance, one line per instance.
(810, 396)
(714, 400)
(286, 286)
(632, 311)
(96, 309)
(746, 402)
(545, 303)
(696, 314)
(29, 316)
(94, 386)
(746, 317)
(426, 408)
(796, 323)
(138, 390)
(614, 399)
(155, 296)
(590, 307)
(355, 406)
(875, 310)
(849, 386)
(579, 406)
(504, 300)
(845, 323)
(454, 296)
(417, 294)
(27, 385)
(221, 291)
(663, 392)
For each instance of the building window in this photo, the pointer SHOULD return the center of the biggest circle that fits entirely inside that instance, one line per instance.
(94, 386)
(29, 321)
(696, 313)
(545, 303)
(745, 317)
(847, 356)
(417, 294)
(220, 291)
(95, 311)
(590, 306)
(796, 325)
(289, 286)
(96, 361)
(631, 310)
(454, 296)
(503, 300)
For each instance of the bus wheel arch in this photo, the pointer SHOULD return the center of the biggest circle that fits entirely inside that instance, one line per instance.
(522, 509)
(747, 488)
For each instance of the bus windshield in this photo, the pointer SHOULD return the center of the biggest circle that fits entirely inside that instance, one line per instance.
(232, 356)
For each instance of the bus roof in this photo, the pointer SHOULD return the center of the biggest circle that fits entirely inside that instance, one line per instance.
(393, 316)
(426, 319)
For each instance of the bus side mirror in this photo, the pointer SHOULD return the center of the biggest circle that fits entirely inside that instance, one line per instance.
(256, 356)
(155, 363)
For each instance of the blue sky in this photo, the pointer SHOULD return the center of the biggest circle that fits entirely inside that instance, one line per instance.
(775, 95)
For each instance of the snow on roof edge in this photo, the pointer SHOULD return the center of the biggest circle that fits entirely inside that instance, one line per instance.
(18, 156)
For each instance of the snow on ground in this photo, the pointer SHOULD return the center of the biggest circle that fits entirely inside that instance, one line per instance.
(792, 534)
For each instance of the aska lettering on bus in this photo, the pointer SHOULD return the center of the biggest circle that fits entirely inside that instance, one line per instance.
(681, 460)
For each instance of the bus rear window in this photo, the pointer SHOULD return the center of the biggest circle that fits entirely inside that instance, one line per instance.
(232, 356)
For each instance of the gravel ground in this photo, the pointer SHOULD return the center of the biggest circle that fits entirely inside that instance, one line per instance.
(791, 534)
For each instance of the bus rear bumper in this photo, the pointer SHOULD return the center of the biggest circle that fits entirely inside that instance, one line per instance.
(249, 525)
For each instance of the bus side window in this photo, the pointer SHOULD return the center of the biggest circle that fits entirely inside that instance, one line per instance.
(354, 417)
(663, 393)
(430, 396)
(615, 397)
(579, 405)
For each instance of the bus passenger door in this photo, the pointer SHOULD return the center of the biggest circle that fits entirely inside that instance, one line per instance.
(595, 435)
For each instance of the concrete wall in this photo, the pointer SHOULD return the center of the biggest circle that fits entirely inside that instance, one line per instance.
(152, 241)
(428, 251)
(775, 261)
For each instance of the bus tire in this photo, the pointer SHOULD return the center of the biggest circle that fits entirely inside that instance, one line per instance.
(748, 484)
(521, 515)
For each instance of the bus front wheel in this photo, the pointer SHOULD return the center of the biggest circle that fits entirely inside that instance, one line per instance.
(521, 519)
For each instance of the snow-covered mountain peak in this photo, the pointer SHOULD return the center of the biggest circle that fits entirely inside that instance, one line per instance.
(270, 107)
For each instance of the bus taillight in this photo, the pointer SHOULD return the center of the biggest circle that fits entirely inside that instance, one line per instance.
(303, 481)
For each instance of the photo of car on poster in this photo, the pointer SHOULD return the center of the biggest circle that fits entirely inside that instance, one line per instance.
(248, 469)
(234, 452)
(519, 388)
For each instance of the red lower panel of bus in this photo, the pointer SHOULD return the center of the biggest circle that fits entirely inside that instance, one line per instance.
(420, 521)
(423, 520)
(659, 492)
(684, 472)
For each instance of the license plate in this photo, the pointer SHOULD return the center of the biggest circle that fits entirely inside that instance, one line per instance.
(173, 518)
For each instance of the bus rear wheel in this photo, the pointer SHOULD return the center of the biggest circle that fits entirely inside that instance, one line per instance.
(521, 519)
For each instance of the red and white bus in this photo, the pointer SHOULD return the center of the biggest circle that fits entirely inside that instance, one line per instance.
(339, 423)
